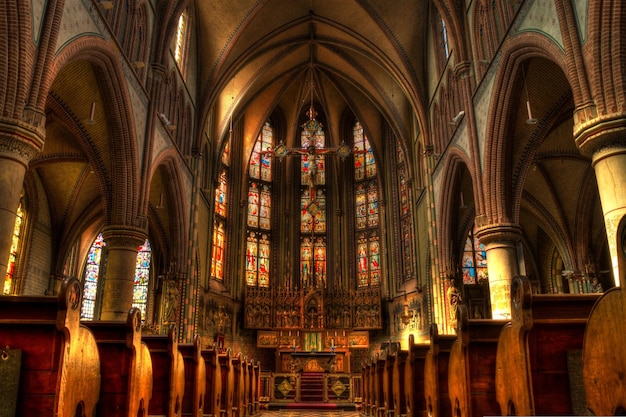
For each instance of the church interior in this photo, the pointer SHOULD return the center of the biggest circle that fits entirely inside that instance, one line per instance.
(225, 208)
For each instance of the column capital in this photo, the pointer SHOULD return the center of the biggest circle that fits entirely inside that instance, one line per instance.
(499, 232)
(602, 132)
(120, 237)
(19, 140)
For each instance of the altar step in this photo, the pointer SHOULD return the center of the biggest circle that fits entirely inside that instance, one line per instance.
(312, 387)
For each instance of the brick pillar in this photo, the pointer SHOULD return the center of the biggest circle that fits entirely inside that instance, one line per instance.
(122, 243)
(19, 143)
(500, 242)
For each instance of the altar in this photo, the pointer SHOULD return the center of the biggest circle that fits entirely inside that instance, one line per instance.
(290, 361)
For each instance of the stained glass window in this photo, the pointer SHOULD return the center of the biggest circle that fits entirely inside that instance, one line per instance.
(259, 213)
(142, 278)
(265, 207)
(252, 247)
(253, 205)
(320, 261)
(221, 195)
(306, 258)
(362, 264)
(221, 213)
(13, 253)
(182, 41)
(368, 261)
(474, 262)
(90, 280)
(217, 264)
(374, 254)
(372, 204)
(264, 261)
(444, 39)
(260, 160)
(226, 154)
(313, 204)
(366, 209)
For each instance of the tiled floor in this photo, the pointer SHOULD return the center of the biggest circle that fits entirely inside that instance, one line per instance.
(309, 413)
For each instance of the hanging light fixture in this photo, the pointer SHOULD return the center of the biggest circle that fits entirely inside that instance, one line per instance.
(531, 120)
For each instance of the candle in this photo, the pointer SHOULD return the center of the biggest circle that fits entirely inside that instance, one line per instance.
(332, 342)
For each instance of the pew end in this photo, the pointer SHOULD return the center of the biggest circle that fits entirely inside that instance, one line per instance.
(59, 361)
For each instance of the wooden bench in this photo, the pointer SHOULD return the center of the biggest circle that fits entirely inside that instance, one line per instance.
(195, 378)
(168, 371)
(436, 374)
(126, 367)
(532, 361)
(54, 357)
(366, 379)
(472, 366)
(389, 359)
(255, 376)
(398, 387)
(413, 392)
(227, 383)
(604, 355)
(378, 406)
(213, 396)
(238, 364)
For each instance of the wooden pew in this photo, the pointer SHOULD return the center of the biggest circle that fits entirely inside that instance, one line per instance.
(414, 394)
(168, 371)
(213, 396)
(472, 366)
(398, 382)
(532, 366)
(238, 407)
(387, 379)
(254, 388)
(604, 355)
(195, 378)
(227, 383)
(436, 374)
(126, 367)
(247, 380)
(379, 381)
(366, 395)
(57, 357)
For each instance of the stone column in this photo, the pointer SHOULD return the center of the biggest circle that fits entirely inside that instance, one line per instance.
(604, 140)
(19, 143)
(123, 243)
(610, 167)
(500, 242)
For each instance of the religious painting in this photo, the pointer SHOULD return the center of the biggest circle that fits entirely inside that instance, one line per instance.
(267, 339)
(359, 340)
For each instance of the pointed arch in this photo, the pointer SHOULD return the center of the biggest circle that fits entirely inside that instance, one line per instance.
(505, 95)
(123, 174)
